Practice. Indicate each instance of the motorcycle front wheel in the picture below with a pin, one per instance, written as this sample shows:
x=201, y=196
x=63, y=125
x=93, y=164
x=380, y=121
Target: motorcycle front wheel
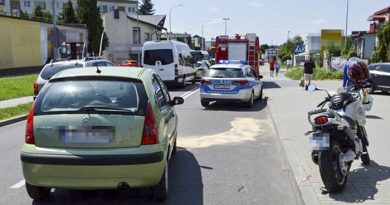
x=331, y=173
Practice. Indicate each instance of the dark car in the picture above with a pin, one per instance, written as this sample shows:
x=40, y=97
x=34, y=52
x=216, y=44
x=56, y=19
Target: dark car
x=380, y=77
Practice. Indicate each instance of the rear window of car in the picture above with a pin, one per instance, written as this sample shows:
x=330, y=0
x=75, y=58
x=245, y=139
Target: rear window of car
x=104, y=94
x=165, y=56
x=224, y=73
x=51, y=69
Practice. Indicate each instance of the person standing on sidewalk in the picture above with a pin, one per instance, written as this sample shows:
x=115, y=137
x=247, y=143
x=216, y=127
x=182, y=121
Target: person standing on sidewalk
x=308, y=71
x=272, y=66
x=289, y=63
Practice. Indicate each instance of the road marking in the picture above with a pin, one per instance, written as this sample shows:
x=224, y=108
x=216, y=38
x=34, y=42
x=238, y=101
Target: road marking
x=18, y=185
x=189, y=93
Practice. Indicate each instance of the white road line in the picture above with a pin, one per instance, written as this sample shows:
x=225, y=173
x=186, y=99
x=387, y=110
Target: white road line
x=18, y=185
x=189, y=93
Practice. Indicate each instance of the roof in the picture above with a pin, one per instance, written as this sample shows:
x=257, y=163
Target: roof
x=154, y=20
x=105, y=71
x=383, y=11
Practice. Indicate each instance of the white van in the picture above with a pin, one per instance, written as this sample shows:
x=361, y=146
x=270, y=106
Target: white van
x=172, y=60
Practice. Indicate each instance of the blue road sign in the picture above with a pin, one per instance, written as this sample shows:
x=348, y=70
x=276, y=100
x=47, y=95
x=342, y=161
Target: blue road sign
x=299, y=49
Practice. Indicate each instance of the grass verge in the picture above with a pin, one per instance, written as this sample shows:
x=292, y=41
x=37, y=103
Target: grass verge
x=10, y=112
x=16, y=87
x=319, y=74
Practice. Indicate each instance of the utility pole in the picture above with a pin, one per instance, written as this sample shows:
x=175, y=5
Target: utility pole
x=55, y=31
x=346, y=24
x=170, y=20
x=226, y=19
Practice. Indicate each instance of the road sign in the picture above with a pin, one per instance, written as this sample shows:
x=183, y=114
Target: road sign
x=299, y=49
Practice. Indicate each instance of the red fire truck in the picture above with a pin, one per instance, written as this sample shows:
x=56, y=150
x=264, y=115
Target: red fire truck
x=238, y=48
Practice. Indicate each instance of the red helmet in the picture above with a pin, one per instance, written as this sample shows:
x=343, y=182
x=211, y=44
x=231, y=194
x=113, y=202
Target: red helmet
x=358, y=72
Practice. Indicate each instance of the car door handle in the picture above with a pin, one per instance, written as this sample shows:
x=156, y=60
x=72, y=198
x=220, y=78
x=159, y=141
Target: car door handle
x=162, y=69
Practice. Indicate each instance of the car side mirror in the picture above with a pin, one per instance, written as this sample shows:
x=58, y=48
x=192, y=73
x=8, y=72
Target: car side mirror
x=260, y=76
x=177, y=101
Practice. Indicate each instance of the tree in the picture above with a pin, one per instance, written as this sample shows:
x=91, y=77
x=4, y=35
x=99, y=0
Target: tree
x=47, y=15
x=88, y=13
x=297, y=40
x=348, y=47
x=38, y=12
x=264, y=47
x=23, y=14
x=146, y=8
x=68, y=13
x=382, y=52
x=287, y=48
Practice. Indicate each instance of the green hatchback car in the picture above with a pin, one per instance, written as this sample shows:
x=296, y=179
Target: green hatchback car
x=100, y=128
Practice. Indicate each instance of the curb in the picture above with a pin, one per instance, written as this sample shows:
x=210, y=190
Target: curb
x=12, y=120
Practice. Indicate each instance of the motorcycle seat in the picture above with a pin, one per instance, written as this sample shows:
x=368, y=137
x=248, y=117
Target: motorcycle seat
x=341, y=100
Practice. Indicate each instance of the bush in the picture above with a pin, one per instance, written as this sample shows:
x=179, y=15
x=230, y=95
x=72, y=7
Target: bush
x=319, y=74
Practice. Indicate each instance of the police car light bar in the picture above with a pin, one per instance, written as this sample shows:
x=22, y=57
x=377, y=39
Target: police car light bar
x=243, y=62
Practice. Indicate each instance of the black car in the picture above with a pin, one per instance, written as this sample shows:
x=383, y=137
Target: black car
x=380, y=77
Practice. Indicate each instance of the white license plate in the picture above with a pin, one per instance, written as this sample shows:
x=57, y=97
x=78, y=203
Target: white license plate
x=320, y=141
x=221, y=86
x=91, y=135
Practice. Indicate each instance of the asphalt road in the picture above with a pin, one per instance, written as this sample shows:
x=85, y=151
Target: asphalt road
x=228, y=154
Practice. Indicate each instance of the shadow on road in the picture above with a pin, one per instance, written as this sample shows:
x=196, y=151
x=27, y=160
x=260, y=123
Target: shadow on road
x=185, y=187
x=237, y=107
x=364, y=180
x=270, y=85
x=189, y=87
x=375, y=117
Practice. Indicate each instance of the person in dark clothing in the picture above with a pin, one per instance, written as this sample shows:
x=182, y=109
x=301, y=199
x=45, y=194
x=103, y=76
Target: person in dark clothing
x=308, y=72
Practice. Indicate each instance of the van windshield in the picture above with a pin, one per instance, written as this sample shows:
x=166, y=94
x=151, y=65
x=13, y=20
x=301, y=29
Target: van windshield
x=51, y=69
x=165, y=56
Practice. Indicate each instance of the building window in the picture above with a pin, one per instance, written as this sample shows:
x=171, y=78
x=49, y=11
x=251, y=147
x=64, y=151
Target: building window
x=136, y=36
x=129, y=9
x=27, y=4
x=104, y=9
x=41, y=4
x=2, y=2
x=121, y=8
x=112, y=8
x=147, y=36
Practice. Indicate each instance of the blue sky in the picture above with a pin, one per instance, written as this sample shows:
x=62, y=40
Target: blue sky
x=270, y=19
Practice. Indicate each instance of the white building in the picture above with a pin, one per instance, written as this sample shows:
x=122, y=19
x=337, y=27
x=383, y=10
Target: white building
x=127, y=33
x=12, y=7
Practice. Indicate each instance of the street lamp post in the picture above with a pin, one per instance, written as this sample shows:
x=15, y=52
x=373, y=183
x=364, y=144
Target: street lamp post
x=288, y=35
x=170, y=19
x=346, y=24
x=226, y=19
x=55, y=31
x=203, y=47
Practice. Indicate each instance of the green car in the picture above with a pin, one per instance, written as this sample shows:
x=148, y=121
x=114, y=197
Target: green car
x=100, y=128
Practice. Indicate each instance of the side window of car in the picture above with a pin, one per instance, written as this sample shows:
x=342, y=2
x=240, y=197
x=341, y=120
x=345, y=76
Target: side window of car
x=164, y=89
x=248, y=72
x=109, y=64
x=386, y=68
x=159, y=95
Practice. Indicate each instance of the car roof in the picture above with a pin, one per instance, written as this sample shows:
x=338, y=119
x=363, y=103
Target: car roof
x=108, y=71
x=238, y=66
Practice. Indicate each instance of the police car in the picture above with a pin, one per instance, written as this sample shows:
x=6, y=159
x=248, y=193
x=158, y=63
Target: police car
x=231, y=81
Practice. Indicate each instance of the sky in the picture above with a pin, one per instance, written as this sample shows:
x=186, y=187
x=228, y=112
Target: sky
x=270, y=19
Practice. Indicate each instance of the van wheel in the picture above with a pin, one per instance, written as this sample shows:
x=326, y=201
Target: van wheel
x=183, y=83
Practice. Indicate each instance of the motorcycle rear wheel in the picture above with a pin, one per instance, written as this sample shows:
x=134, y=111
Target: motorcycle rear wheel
x=331, y=174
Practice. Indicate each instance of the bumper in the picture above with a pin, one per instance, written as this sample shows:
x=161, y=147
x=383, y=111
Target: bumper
x=97, y=171
x=241, y=96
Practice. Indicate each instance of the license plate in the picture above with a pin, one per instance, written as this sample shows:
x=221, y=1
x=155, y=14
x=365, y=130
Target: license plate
x=320, y=141
x=92, y=135
x=221, y=86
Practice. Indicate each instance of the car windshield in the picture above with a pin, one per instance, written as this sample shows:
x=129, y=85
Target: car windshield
x=109, y=95
x=165, y=56
x=224, y=73
x=51, y=69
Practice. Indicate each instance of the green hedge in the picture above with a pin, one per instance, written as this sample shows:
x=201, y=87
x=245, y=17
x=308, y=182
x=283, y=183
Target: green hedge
x=16, y=87
x=319, y=74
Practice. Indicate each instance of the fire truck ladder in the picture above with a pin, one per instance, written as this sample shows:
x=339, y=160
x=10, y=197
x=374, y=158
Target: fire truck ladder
x=252, y=52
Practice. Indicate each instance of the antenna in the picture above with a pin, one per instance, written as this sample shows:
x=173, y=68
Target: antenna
x=97, y=69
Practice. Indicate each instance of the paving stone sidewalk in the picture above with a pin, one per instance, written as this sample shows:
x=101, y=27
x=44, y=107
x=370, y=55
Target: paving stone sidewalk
x=289, y=105
x=15, y=102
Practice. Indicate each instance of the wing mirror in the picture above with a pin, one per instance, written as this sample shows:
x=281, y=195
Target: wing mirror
x=260, y=77
x=312, y=88
x=177, y=101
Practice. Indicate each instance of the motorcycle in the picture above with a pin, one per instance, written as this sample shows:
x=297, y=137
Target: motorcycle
x=338, y=135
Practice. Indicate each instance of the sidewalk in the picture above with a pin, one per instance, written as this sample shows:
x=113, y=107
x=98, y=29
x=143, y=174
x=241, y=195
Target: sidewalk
x=15, y=102
x=289, y=105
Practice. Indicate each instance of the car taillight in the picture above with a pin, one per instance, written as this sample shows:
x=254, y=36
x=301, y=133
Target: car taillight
x=149, y=134
x=240, y=82
x=321, y=120
x=205, y=82
x=36, y=91
x=29, y=137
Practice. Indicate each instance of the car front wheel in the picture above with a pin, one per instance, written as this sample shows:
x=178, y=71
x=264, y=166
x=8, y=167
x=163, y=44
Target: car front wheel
x=36, y=192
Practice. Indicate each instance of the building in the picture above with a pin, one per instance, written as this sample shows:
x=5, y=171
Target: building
x=313, y=43
x=363, y=43
x=379, y=19
x=12, y=7
x=30, y=43
x=127, y=33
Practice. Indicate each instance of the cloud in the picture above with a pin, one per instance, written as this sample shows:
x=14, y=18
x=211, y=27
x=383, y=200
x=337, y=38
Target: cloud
x=213, y=10
x=215, y=21
x=319, y=22
x=254, y=3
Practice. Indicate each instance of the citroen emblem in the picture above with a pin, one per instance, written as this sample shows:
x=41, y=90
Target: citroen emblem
x=85, y=120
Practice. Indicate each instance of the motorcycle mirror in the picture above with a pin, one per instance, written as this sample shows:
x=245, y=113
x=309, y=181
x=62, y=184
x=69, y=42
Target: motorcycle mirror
x=312, y=88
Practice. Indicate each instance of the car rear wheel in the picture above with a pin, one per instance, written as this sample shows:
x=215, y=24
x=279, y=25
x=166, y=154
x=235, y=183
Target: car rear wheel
x=250, y=102
x=261, y=94
x=160, y=191
x=36, y=192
